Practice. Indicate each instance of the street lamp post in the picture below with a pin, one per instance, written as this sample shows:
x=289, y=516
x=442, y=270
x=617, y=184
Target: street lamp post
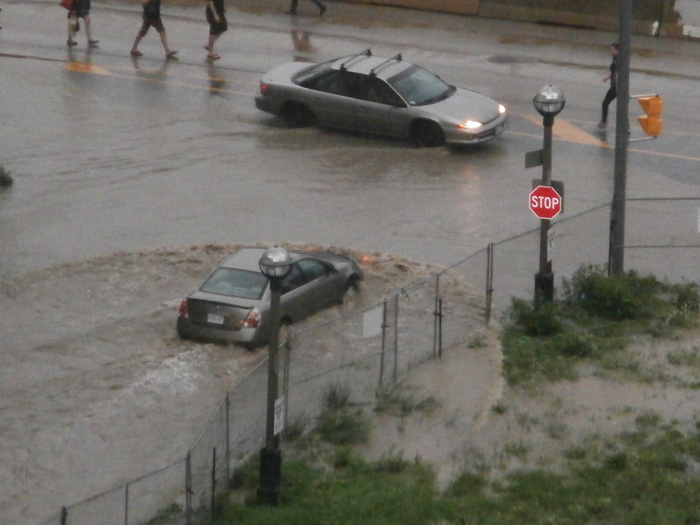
x=275, y=264
x=548, y=102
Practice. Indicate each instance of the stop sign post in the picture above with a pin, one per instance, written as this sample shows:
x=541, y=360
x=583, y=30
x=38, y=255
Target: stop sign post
x=545, y=202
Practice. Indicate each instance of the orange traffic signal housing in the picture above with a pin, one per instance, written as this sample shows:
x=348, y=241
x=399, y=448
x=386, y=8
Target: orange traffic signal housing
x=651, y=122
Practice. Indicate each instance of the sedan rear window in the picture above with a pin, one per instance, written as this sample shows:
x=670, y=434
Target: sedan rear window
x=304, y=76
x=235, y=283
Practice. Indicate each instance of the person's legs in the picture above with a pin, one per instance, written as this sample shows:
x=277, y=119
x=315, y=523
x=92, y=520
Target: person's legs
x=71, y=29
x=160, y=28
x=609, y=97
x=293, y=7
x=88, y=30
x=216, y=29
x=164, y=40
x=210, y=46
x=142, y=32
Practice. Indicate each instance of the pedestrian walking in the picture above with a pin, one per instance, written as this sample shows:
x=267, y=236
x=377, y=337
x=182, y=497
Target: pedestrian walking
x=81, y=9
x=319, y=4
x=612, y=92
x=151, y=18
x=216, y=16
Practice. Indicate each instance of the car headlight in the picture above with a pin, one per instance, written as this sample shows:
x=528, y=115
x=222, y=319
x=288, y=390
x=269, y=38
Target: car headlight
x=501, y=109
x=470, y=124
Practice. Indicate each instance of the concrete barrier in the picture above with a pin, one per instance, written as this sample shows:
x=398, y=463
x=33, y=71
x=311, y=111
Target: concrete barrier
x=666, y=18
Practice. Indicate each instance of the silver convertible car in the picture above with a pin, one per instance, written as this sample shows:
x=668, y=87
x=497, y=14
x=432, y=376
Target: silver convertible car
x=383, y=96
x=232, y=304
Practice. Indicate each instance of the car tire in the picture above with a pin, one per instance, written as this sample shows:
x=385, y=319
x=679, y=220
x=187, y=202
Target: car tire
x=297, y=115
x=352, y=284
x=427, y=134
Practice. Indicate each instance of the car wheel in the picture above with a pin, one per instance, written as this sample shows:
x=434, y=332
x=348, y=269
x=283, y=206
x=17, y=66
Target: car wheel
x=297, y=115
x=352, y=284
x=426, y=133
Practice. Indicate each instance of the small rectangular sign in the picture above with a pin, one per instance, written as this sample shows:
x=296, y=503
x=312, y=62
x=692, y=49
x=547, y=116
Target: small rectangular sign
x=533, y=159
x=279, y=415
x=550, y=245
x=372, y=322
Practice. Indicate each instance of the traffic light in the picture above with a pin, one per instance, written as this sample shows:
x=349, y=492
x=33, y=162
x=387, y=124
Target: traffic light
x=651, y=122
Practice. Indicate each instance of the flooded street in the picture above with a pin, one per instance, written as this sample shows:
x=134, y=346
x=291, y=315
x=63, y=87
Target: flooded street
x=121, y=165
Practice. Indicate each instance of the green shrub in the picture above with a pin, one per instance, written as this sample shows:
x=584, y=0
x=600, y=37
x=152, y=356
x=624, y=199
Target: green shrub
x=572, y=344
x=336, y=397
x=617, y=461
x=541, y=318
x=340, y=423
x=687, y=297
x=624, y=297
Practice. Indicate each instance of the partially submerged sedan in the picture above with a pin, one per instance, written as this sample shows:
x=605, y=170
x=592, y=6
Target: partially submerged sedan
x=232, y=304
x=383, y=96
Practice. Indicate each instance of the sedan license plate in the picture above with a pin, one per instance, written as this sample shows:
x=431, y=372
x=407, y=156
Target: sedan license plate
x=215, y=319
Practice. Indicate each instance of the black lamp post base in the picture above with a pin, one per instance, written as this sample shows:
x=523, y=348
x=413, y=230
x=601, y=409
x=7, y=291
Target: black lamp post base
x=270, y=476
x=544, y=286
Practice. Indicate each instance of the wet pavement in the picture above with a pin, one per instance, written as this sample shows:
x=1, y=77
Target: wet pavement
x=110, y=153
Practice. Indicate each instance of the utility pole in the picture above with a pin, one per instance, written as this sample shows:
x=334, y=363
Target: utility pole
x=616, y=249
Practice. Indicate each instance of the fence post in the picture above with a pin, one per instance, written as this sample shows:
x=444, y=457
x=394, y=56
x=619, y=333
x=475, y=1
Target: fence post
x=396, y=337
x=489, y=282
x=126, y=504
x=188, y=489
x=228, y=440
x=285, y=380
x=437, y=320
x=213, y=481
x=64, y=516
x=439, y=328
x=381, y=357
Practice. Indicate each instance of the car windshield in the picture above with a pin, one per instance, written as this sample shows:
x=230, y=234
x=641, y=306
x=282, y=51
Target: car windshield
x=419, y=87
x=235, y=283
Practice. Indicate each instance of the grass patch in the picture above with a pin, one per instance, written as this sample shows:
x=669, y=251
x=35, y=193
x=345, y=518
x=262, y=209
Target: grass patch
x=592, y=322
x=645, y=481
x=397, y=401
x=340, y=423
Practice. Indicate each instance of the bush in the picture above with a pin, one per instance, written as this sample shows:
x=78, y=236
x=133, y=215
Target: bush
x=619, y=298
x=574, y=344
x=340, y=423
x=536, y=319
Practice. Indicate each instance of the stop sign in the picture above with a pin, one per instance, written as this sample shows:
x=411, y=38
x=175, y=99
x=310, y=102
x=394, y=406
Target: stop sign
x=545, y=202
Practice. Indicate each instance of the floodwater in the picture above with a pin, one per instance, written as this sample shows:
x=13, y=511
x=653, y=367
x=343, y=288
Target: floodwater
x=112, y=157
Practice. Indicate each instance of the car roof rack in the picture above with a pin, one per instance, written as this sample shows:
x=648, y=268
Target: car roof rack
x=395, y=58
x=366, y=53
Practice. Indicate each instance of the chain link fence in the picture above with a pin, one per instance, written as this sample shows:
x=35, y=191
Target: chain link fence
x=374, y=346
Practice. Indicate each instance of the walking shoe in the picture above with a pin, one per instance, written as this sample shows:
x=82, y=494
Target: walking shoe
x=292, y=12
x=602, y=125
x=71, y=42
x=93, y=42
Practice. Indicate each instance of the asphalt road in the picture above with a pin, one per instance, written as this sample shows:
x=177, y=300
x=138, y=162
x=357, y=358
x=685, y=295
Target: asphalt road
x=110, y=153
